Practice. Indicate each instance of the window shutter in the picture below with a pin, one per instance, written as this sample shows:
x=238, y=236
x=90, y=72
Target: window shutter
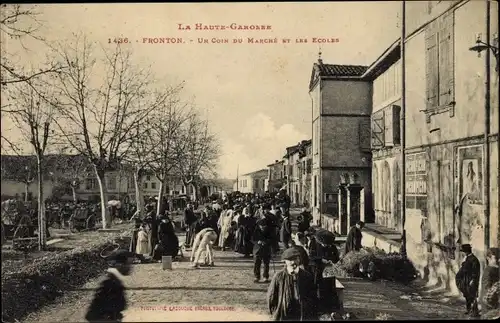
x=396, y=124
x=388, y=127
x=364, y=134
x=446, y=70
x=377, y=133
x=431, y=62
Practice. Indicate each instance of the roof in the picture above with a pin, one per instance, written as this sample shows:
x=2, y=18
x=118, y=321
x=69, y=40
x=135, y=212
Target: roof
x=19, y=167
x=341, y=70
x=297, y=148
x=321, y=70
x=276, y=162
x=256, y=172
x=390, y=56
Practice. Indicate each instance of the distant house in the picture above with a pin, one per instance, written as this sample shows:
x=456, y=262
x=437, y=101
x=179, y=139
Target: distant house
x=276, y=176
x=252, y=182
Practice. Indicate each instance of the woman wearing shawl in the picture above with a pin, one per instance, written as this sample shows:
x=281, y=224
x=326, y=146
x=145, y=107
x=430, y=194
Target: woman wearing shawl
x=167, y=238
x=322, y=251
x=291, y=294
x=244, y=243
x=225, y=220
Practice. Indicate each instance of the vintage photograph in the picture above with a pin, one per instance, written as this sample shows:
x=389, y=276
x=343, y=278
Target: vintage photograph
x=238, y=161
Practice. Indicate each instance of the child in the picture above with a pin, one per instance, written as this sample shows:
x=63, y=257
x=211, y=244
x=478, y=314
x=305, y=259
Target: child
x=142, y=242
x=109, y=300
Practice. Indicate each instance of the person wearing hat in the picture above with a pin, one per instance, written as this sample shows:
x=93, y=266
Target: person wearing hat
x=109, y=300
x=262, y=241
x=286, y=230
x=354, y=237
x=189, y=222
x=167, y=238
x=467, y=279
x=291, y=294
x=224, y=224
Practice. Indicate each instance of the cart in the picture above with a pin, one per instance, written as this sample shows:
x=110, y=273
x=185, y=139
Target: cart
x=81, y=220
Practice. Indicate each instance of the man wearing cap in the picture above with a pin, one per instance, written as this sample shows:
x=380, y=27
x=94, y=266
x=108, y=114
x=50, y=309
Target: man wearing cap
x=109, y=300
x=291, y=294
x=286, y=230
x=262, y=241
x=467, y=279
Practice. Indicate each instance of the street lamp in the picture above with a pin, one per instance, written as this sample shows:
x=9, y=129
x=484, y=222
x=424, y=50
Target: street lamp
x=481, y=46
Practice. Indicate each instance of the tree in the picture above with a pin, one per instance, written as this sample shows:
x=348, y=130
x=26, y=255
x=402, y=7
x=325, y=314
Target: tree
x=18, y=23
x=103, y=105
x=152, y=149
x=18, y=167
x=196, y=151
x=34, y=116
x=69, y=170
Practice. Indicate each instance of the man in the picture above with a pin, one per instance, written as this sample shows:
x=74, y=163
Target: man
x=304, y=221
x=262, y=242
x=353, y=240
x=203, y=241
x=109, y=300
x=286, y=230
x=467, y=279
x=300, y=242
x=291, y=294
x=189, y=222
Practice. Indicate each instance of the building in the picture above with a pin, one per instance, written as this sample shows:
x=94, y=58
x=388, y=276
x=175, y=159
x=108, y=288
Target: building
x=446, y=164
x=341, y=108
x=446, y=156
x=305, y=171
x=276, y=176
x=298, y=166
x=253, y=182
x=385, y=73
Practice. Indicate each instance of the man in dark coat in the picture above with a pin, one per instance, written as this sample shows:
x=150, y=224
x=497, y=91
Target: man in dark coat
x=109, y=300
x=286, y=230
x=304, y=221
x=467, y=279
x=167, y=238
x=189, y=222
x=353, y=240
x=262, y=242
x=291, y=294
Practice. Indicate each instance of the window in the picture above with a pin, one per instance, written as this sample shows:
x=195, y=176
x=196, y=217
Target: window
x=153, y=185
x=130, y=182
x=112, y=182
x=91, y=183
x=316, y=136
x=146, y=185
x=439, y=58
x=385, y=127
x=148, y=178
x=416, y=182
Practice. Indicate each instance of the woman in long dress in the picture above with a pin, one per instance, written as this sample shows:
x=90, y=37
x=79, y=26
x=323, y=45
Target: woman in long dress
x=225, y=224
x=142, y=242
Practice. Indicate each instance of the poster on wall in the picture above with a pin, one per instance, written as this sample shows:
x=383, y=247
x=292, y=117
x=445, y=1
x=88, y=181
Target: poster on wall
x=470, y=173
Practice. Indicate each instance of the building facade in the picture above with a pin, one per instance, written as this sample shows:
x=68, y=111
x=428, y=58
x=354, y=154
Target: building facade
x=253, y=182
x=276, y=176
x=447, y=164
x=341, y=104
x=305, y=171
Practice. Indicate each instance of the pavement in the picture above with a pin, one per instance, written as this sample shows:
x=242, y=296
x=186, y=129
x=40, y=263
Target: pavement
x=227, y=292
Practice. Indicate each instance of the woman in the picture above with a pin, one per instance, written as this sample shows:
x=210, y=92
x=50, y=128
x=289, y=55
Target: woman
x=168, y=240
x=244, y=244
x=322, y=251
x=142, y=247
x=491, y=278
x=225, y=220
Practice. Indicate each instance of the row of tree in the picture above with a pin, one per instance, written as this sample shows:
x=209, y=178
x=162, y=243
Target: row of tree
x=111, y=111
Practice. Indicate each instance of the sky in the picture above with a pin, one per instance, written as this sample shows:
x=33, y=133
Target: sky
x=254, y=95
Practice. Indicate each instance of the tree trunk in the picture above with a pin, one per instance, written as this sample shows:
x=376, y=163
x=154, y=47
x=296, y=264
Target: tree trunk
x=42, y=223
x=159, y=206
x=73, y=191
x=26, y=191
x=106, y=219
x=138, y=192
x=195, y=191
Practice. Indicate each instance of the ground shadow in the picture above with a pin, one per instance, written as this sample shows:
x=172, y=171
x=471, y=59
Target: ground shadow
x=185, y=288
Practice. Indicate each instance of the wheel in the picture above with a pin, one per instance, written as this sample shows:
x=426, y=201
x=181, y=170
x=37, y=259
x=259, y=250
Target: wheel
x=90, y=223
